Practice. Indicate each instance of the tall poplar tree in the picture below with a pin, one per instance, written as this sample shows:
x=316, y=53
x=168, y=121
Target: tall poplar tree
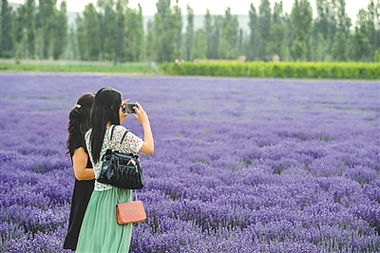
x=189, y=36
x=254, y=43
x=134, y=34
x=46, y=10
x=228, y=47
x=343, y=28
x=89, y=34
x=200, y=44
x=18, y=32
x=264, y=22
x=278, y=31
x=301, y=18
x=167, y=32
x=30, y=15
x=208, y=33
x=59, y=32
x=6, y=20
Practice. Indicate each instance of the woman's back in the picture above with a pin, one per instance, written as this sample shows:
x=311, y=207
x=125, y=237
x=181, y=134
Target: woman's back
x=131, y=144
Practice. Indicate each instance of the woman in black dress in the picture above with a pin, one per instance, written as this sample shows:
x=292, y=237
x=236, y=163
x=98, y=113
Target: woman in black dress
x=84, y=174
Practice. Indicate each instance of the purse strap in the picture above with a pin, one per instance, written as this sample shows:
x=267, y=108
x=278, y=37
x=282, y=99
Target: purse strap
x=122, y=138
x=121, y=141
x=118, y=199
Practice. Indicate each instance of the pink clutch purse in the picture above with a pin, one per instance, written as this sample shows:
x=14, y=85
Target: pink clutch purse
x=130, y=212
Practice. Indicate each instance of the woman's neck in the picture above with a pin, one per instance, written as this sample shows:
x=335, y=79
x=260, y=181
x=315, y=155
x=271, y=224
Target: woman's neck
x=108, y=124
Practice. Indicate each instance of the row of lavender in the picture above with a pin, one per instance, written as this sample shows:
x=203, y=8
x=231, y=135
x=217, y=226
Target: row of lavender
x=240, y=165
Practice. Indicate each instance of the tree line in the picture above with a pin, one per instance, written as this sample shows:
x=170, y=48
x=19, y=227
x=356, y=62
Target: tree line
x=112, y=31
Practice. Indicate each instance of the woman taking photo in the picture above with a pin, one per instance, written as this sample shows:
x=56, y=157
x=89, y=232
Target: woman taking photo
x=79, y=123
x=100, y=231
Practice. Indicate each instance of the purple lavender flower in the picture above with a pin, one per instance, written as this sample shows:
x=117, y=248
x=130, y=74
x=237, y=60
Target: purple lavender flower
x=241, y=165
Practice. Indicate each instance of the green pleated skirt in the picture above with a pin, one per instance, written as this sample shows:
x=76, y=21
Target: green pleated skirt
x=100, y=231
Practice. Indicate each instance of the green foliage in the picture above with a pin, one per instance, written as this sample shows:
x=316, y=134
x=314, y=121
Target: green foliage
x=30, y=13
x=254, y=37
x=111, y=31
x=18, y=32
x=6, y=30
x=59, y=33
x=89, y=34
x=47, y=11
x=364, y=41
x=72, y=45
x=189, y=35
x=301, y=18
x=334, y=70
x=264, y=23
x=276, y=46
x=134, y=40
x=319, y=47
x=167, y=28
x=123, y=68
x=228, y=47
x=200, y=45
x=118, y=44
x=377, y=55
x=149, y=45
x=338, y=49
x=209, y=35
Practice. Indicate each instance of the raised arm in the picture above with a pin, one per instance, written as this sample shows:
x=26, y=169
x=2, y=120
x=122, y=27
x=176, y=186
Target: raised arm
x=142, y=117
x=128, y=140
x=80, y=159
x=148, y=146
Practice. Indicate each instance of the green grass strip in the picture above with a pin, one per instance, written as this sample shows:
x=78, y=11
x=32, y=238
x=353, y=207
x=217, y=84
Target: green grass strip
x=331, y=70
x=130, y=68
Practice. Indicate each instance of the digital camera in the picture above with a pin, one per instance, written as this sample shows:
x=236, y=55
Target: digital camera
x=128, y=108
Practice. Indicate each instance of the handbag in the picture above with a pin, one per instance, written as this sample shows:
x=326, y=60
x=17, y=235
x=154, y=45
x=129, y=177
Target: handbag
x=130, y=212
x=120, y=169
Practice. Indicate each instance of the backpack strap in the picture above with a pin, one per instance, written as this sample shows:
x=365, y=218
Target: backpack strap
x=125, y=133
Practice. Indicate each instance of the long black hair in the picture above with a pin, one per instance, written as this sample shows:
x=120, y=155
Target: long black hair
x=106, y=108
x=79, y=122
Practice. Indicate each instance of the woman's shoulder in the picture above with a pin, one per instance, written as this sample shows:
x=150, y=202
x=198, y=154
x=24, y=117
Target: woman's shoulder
x=76, y=141
x=120, y=129
x=127, y=141
x=121, y=132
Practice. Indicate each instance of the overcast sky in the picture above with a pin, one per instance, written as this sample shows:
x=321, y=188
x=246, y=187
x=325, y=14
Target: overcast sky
x=215, y=6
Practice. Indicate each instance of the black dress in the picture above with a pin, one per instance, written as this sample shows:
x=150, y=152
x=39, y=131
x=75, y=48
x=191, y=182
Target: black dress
x=81, y=196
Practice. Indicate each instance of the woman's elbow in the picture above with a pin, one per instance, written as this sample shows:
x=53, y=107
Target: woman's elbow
x=151, y=149
x=147, y=149
x=78, y=176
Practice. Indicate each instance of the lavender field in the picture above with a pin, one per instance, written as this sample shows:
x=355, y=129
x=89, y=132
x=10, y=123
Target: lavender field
x=240, y=165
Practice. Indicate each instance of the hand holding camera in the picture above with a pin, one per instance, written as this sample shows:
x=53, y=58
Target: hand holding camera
x=128, y=108
x=136, y=109
x=140, y=114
